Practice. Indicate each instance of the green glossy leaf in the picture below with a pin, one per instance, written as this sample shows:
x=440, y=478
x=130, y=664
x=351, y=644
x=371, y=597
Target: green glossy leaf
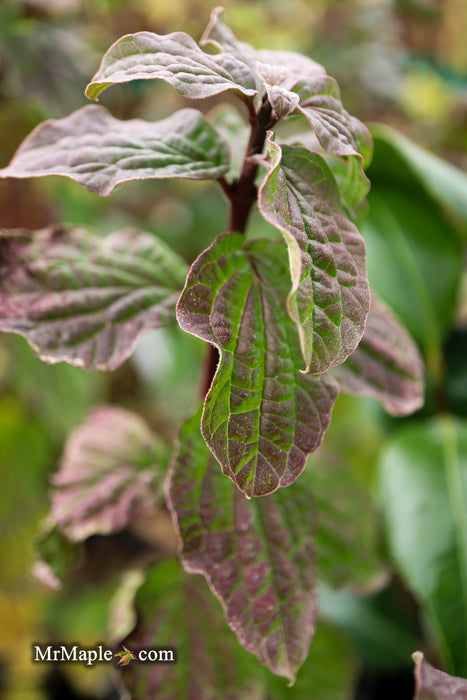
x=414, y=256
x=436, y=684
x=262, y=416
x=85, y=299
x=404, y=160
x=424, y=497
x=386, y=365
x=108, y=475
x=257, y=554
x=175, y=58
x=177, y=612
x=330, y=297
x=98, y=151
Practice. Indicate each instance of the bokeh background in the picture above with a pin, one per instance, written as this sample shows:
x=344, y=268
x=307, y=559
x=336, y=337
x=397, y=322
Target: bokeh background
x=402, y=63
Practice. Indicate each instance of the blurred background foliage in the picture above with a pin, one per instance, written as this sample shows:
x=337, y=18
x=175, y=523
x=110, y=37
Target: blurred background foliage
x=401, y=63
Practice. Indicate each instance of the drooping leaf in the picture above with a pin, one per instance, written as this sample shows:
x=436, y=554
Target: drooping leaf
x=386, y=365
x=337, y=131
x=330, y=297
x=424, y=497
x=436, y=684
x=175, y=58
x=262, y=416
x=85, y=299
x=256, y=554
x=108, y=474
x=98, y=151
x=177, y=612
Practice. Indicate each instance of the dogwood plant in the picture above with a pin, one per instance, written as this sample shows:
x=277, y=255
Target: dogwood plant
x=289, y=321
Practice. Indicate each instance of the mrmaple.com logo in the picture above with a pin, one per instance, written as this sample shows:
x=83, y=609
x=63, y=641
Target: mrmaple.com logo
x=67, y=653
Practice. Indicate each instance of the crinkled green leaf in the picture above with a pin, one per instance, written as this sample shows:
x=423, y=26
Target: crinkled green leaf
x=330, y=297
x=386, y=365
x=436, y=684
x=98, y=151
x=176, y=611
x=262, y=416
x=107, y=476
x=337, y=131
x=175, y=58
x=424, y=499
x=85, y=299
x=256, y=554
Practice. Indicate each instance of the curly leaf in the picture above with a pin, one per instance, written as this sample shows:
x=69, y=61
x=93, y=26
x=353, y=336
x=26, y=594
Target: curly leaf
x=85, y=299
x=337, y=131
x=98, y=151
x=386, y=365
x=107, y=474
x=175, y=58
x=330, y=297
x=176, y=612
x=262, y=416
x=436, y=684
x=256, y=554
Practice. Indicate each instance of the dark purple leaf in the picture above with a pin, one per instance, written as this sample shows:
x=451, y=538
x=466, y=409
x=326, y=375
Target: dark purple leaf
x=386, y=365
x=330, y=297
x=436, y=684
x=85, y=299
x=175, y=58
x=262, y=416
x=256, y=554
x=98, y=151
x=108, y=474
x=176, y=611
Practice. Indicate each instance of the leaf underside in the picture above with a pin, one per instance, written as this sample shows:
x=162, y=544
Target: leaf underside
x=256, y=554
x=386, y=365
x=85, y=299
x=262, y=416
x=107, y=474
x=99, y=152
x=330, y=297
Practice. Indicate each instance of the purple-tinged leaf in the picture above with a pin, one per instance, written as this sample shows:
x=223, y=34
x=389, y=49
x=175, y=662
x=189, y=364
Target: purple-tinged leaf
x=262, y=416
x=330, y=297
x=386, y=365
x=98, y=151
x=337, y=131
x=175, y=58
x=263, y=63
x=176, y=612
x=85, y=299
x=276, y=80
x=436, y=684
x=256, y=554
x=107, y=476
